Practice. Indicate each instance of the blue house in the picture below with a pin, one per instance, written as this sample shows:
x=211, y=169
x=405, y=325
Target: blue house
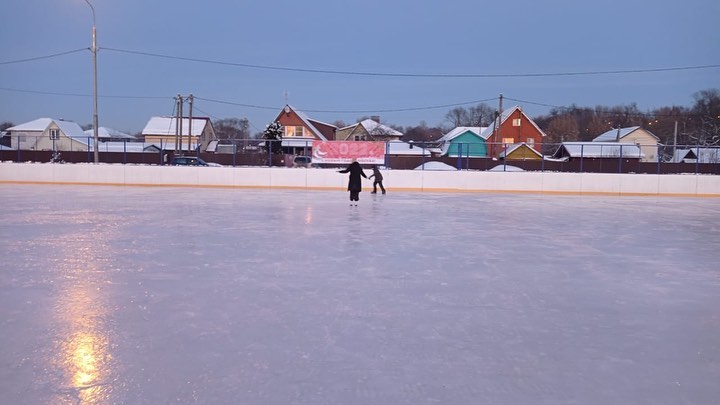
x=464, y=141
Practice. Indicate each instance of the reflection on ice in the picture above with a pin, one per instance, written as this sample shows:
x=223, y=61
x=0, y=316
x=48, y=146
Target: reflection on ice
x=83, y=352
x=86, y=361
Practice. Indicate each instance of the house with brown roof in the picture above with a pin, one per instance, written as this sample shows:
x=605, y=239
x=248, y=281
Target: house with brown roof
x=299, y=130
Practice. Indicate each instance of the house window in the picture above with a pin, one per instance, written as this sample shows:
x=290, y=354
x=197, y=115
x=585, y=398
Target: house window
x=530, y=142
x=516, y=122
x=359, y=137
x=508, y=141
x=54, y=134
x=294, y=131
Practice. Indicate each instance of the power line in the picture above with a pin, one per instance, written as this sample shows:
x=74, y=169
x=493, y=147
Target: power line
x=273, y=108
x=78, y=94
x=207, y=113
x=43, y=57
x=416, y=75
x=355, y=111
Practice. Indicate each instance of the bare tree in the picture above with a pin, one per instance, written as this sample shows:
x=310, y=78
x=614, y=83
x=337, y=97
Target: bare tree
x=596, y=125
x=562, y=128
x=481, y=115
x=422, y=134
x=707, y=108
x=232, y=129
x=457, y=117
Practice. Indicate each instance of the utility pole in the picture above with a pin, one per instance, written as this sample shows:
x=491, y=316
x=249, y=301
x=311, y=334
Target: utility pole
x=178, y=114
x=94, y=50
x=499, y=124
x=179, y=123
x=190, y=120
x=675, y=139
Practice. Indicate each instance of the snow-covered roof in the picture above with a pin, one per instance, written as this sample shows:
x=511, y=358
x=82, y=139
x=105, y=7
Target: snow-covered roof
x=127, y=147
x=614, y=134
x=69, y=128
x=37, y=125
x=404, y=148
x=105, y=132
x=447, y=138
x=375, y=128
x=434, y=165
x=166, y=126
x=294, y=142
x=600, y=149
x=457, y=131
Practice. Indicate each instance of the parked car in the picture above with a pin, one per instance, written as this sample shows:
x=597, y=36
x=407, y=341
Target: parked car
x=191, y=161
x=302, y=161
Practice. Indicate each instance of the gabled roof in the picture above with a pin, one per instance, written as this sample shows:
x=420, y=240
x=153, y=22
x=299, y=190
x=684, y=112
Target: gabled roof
x=69, y=128
x=166, y=126
x=599, y=150
x=457, y=131
x=374, y=128
x=513, y=148
x=706, y=155
x=488, y=131
x=614, y=134
x=105, y=132
x=307, y=121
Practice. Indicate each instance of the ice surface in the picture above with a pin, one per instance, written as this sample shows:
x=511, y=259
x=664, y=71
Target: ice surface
x=186, y=295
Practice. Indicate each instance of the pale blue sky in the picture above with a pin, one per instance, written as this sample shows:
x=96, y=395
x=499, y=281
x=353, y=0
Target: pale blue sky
x=450, y=37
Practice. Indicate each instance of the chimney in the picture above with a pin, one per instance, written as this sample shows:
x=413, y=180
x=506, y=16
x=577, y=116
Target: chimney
x=375, y=118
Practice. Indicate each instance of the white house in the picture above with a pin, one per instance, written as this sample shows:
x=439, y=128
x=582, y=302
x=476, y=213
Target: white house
x=161, y=131
x=644, y=139
x=49, y=134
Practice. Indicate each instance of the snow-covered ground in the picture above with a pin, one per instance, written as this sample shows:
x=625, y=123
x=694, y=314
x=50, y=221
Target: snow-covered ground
x=185, y=295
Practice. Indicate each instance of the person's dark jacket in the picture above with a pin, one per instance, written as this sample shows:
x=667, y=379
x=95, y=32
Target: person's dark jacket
x=355, y=170
x=376, y=173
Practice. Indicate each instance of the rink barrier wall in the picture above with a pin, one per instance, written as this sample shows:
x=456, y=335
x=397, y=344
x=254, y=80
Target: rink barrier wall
x=329, y=179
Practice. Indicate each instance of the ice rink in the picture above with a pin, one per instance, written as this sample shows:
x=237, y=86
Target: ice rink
x=127, y=295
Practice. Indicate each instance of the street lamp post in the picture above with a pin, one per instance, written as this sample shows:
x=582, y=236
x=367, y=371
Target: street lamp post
x=94, y=50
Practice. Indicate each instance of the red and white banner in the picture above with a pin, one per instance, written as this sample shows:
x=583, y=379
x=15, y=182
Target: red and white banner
x=343, y=152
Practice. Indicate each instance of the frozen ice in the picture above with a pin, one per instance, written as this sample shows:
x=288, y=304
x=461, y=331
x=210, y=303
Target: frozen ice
x=153, y=295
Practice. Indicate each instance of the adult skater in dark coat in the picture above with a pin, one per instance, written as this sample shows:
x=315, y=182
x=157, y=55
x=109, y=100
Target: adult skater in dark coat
x=354, y=183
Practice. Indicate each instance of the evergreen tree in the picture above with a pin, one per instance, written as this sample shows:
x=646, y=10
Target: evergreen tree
x=273, y=137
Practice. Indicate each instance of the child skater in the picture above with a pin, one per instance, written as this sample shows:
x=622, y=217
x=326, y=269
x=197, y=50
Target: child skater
x=378, y=180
